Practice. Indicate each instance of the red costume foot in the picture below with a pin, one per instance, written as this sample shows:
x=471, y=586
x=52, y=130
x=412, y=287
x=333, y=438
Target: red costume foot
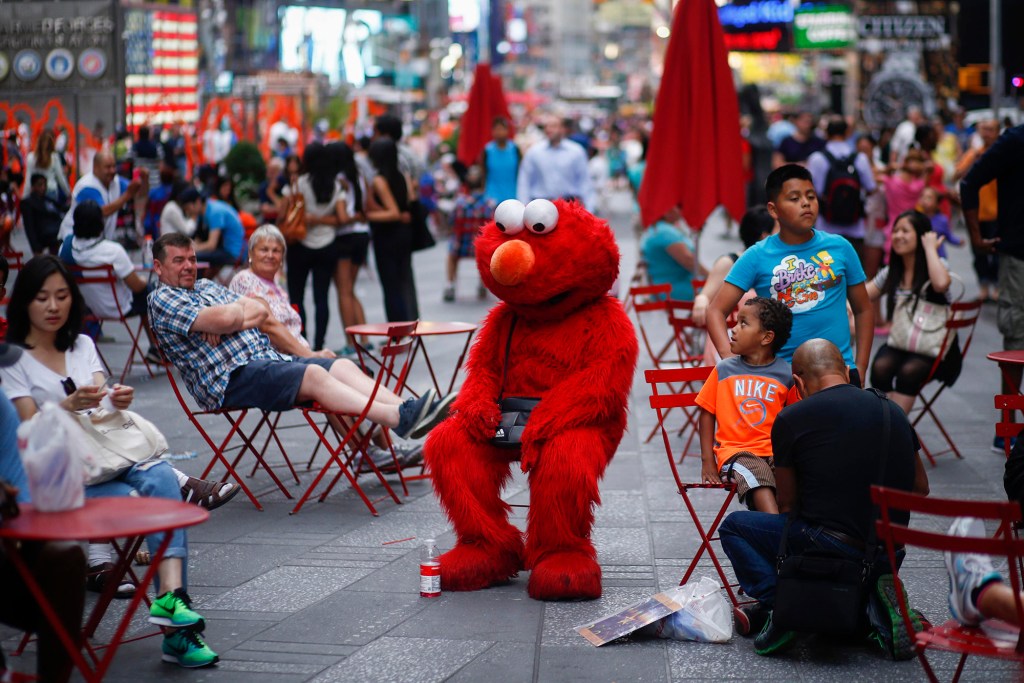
x=468, y=567
x=569, y=575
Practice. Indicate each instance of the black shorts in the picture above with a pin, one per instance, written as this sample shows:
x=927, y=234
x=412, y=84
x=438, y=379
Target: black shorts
x=353, y=247
x=269, y=384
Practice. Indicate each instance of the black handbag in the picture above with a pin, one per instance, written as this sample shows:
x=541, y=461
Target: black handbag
x=515, y=410
x=421, y=235
x=822, y=592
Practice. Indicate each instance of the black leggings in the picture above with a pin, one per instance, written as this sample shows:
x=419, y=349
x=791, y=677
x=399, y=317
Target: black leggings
x=902, y=371
x=301, y=261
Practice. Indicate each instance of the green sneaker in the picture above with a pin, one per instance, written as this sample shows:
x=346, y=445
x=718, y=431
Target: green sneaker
x=175, y=610
x=185, y=648
x=772, y=639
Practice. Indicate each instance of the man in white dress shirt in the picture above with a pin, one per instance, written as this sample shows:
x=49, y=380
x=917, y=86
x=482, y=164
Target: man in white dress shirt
x=555, y=168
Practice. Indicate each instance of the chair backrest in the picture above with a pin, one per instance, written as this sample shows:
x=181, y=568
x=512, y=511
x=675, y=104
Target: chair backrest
x=1004, y=544
x=690, y=379
x=689, y=336
x=963, y=315
x=98, y=275
x=1006, y=427
x=395, y=358
x=643, y=300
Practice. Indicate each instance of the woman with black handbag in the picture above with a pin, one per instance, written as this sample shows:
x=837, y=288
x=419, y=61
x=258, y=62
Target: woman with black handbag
x=387, y=209
x=915, y=286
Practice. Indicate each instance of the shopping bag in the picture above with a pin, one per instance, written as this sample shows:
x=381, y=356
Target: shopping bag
x=55, y=459
x=705, y=616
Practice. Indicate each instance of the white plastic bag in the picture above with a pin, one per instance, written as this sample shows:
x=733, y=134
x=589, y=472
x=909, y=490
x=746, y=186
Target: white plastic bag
x=705, y=616
x=56, y=462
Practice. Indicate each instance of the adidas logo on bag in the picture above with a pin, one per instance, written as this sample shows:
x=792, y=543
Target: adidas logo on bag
x=500, y=433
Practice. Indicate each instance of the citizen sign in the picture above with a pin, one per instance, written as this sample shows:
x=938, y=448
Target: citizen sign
x=905, y=27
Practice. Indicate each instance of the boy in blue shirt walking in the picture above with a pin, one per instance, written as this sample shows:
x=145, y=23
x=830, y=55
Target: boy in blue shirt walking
x=811, y=272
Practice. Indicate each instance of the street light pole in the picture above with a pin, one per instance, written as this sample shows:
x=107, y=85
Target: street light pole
x=995, y=44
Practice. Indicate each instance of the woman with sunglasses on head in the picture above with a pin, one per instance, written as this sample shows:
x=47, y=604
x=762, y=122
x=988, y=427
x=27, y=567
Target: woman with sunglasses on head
x=60, y=365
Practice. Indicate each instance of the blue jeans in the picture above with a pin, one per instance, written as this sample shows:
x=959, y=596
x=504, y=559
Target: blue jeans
x=751, y=540
x=156, y=481
x=11, y=469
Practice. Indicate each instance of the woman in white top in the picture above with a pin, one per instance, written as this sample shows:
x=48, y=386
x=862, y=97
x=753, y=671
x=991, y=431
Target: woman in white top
x=352, y=242
x=180, y=213
x=325, y=211
x=914, y=265
x=44, y=161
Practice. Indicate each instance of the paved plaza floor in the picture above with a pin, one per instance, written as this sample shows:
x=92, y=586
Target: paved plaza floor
x=329, y=595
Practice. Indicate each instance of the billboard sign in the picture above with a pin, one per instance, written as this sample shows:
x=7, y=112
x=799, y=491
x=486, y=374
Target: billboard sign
x=824, y=27
x=58, y=45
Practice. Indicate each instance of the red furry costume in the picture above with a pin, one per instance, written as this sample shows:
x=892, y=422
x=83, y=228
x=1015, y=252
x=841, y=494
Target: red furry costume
x=574, y=347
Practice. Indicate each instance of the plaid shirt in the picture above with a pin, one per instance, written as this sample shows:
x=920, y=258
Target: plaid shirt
x=206, y=369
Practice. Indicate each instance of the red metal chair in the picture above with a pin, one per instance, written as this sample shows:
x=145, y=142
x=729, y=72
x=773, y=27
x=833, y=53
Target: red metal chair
x=662, y=402
x=221, y=449
x=963, y=316
x=104, y=275
x=1007, y=427
x=952, y=636
x=639, y=278
x=345, y=443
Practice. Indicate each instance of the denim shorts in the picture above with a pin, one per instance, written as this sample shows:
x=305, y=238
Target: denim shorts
x=269, y=384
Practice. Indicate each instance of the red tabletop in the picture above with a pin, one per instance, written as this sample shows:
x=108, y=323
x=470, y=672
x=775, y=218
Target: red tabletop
x=103, y=518
x=425, y=328
x=1009, y=357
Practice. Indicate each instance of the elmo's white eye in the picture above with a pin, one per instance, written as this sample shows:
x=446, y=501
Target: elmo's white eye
x=540, y=216
x=509, y=216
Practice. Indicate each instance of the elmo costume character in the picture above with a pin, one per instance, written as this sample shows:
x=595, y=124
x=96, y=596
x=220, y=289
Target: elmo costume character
x=572, y=346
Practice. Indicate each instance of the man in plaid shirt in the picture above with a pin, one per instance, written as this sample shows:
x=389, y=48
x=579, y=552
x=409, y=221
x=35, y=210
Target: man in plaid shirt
x=218, y=341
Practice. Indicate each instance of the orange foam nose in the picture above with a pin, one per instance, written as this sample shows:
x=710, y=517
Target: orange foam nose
x=512, y=262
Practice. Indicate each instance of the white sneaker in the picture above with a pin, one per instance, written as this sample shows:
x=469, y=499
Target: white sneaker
x=967, y=573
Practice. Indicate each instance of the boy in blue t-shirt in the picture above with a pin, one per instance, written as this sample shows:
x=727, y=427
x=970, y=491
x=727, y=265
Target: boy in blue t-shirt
x=812, y=272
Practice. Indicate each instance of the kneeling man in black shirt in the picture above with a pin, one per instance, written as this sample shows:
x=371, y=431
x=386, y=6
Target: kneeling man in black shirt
x=826, y=449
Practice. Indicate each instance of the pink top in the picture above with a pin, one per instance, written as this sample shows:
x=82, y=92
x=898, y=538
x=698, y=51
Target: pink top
x=248, y=283
x=900, y=196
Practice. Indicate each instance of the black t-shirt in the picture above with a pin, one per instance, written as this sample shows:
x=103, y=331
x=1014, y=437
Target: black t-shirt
x=794, y=151
x=832, y=439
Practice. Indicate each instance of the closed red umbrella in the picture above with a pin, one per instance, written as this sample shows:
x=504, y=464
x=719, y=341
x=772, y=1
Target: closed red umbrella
x=694, y=158
x=486, y=102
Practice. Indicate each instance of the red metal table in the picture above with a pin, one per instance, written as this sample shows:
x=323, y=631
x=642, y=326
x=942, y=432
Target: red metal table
x=101, y=519
x=424, y=328
x=1007, y=360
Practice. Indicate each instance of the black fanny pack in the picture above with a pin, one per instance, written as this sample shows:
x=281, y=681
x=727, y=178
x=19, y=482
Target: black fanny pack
x=515, y=410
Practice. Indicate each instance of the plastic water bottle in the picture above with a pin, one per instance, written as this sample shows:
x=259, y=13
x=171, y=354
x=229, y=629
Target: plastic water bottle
x=430, y=570
x=147, y=252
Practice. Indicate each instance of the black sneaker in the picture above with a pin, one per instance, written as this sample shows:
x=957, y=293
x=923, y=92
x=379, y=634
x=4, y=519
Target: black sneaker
x=750, y=619
x=438, y=412
x=773, y=640
x=411, y=412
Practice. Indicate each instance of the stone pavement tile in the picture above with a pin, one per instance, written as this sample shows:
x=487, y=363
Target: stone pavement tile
x=676, y=539
x=621, y=545
x=502, y=663
x=285, y=589
x=140, y=660
x=395, y=527
x=405, y=660
x=623, y=472
x=562, y=618
x=400, y=576
x=725, y=661
x=346, y=618
x=493, y=615
x=231, y=564
x=621, y=509
x=628, y=661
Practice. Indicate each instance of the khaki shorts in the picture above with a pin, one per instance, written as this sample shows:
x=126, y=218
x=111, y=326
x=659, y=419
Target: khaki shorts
x=748, y=472
x=1010, y=311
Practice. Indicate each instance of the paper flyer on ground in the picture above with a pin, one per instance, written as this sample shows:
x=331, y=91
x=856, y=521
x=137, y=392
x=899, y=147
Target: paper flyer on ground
x=638, y=615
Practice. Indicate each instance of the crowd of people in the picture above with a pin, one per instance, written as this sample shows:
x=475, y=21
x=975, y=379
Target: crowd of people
x=850, y=231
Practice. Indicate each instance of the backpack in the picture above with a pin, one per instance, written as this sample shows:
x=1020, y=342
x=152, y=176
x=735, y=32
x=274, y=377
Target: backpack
x=841, y=203
x=292, y=219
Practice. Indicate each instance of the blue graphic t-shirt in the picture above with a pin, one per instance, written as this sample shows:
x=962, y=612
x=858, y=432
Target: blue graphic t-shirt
x=811, y=278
